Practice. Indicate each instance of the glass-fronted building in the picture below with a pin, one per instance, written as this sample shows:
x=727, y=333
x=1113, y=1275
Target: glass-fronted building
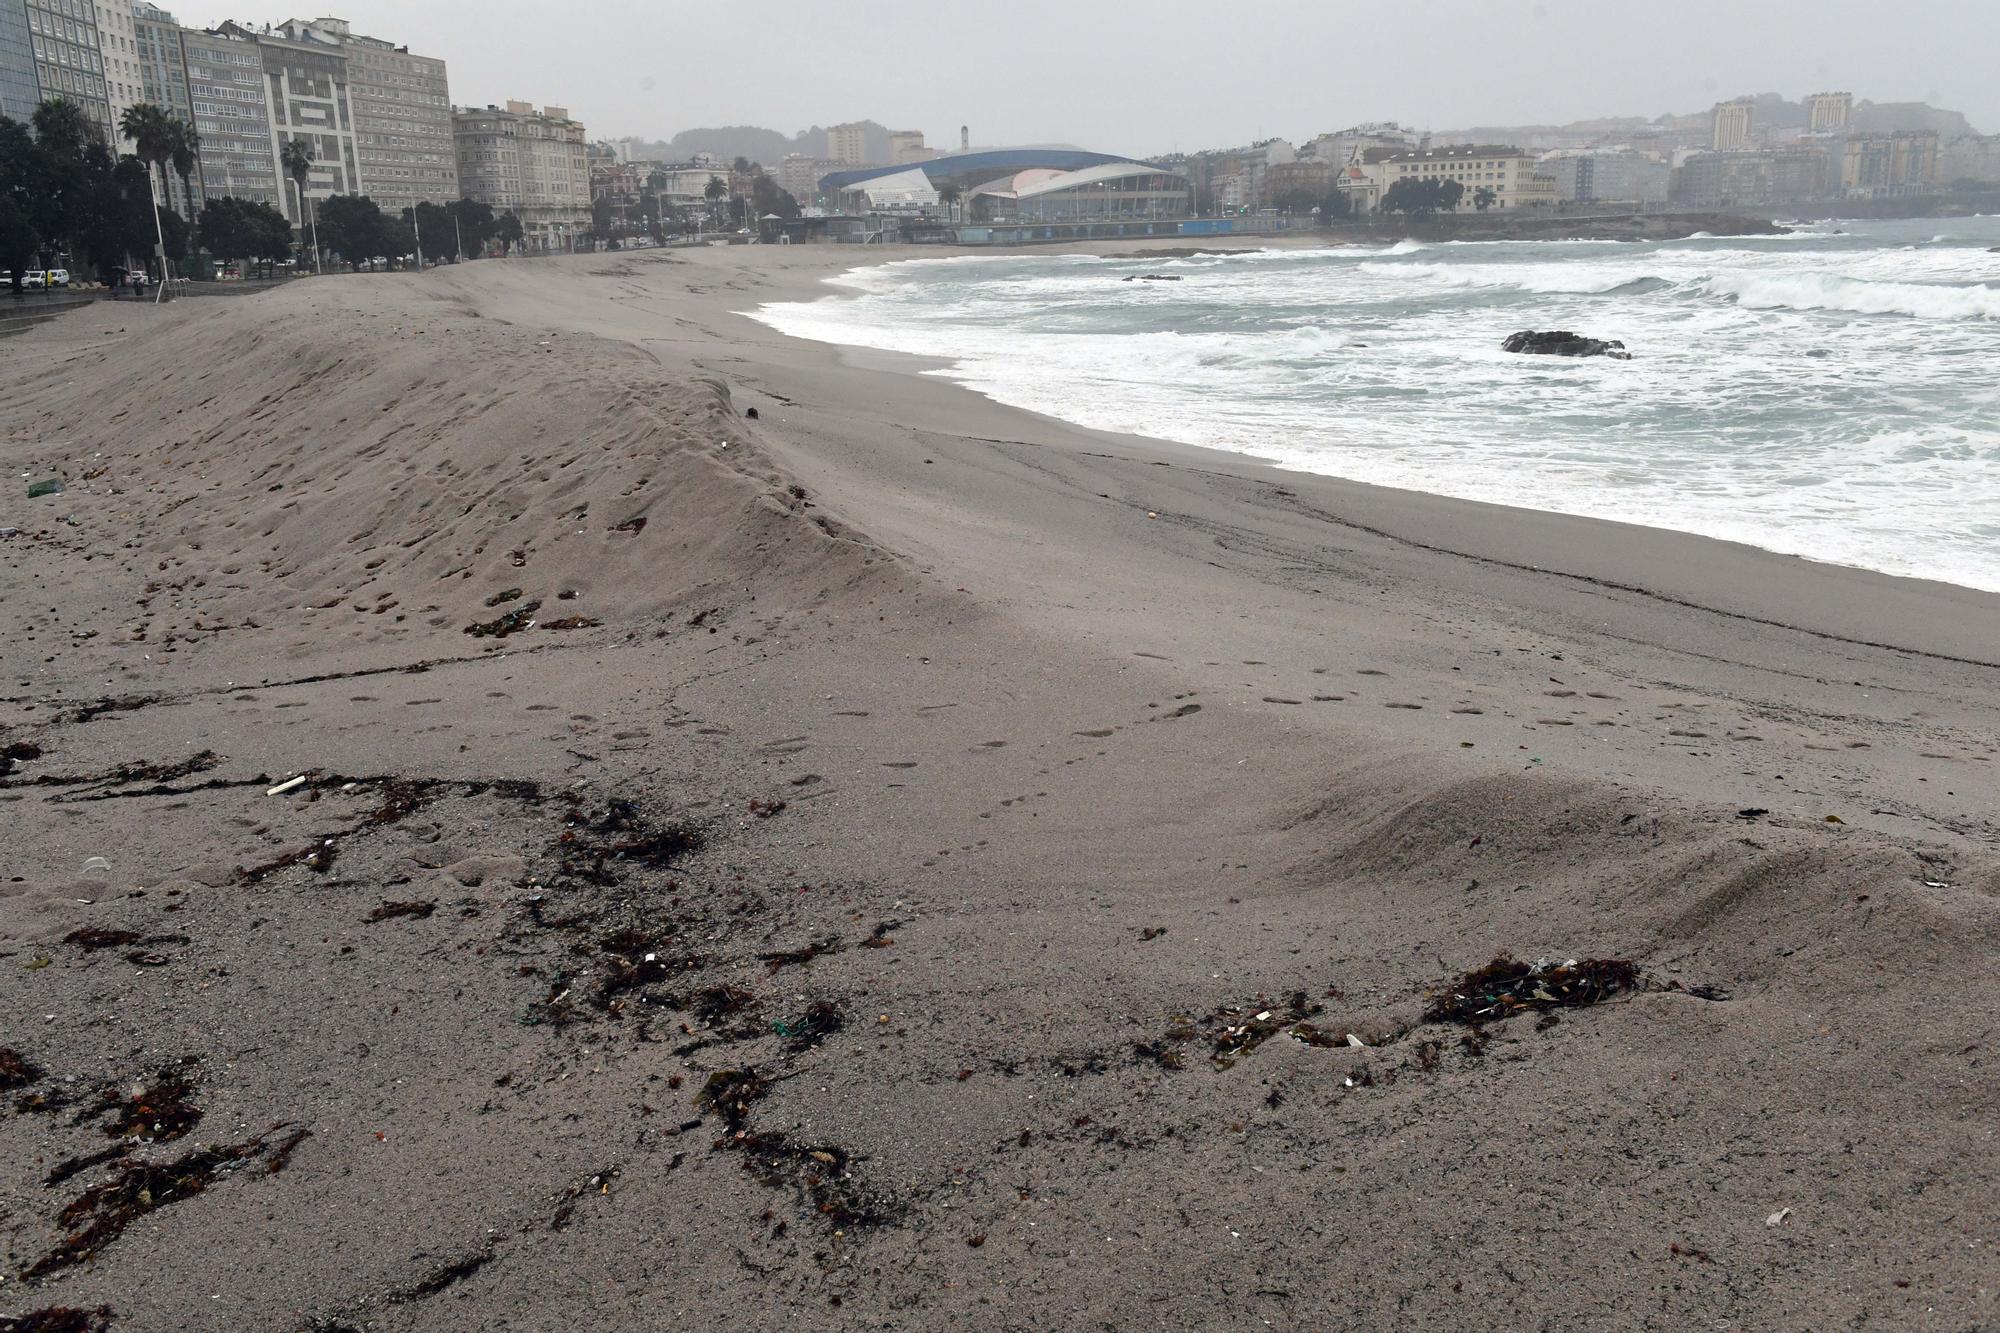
x=19, y=88
x=62, y=35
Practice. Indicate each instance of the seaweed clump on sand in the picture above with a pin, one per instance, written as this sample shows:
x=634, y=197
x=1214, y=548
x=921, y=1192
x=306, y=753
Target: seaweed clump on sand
x=1506, y=986
x=102, y=1213
x=58, y=1319
x=16, y=1069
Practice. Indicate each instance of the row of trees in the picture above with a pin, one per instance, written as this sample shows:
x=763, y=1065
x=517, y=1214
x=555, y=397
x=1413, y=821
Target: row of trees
x=63, y=191
x=1424, y=198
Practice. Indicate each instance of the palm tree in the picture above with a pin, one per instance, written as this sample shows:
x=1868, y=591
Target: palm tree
x=713, y=192
x=297, y=159
x=151, y=131
x=185, y=152
x=949, y=197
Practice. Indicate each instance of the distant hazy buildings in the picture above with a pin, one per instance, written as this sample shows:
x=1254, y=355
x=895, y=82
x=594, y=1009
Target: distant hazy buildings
x=1784, y=175
x=848, y=144
x=798, y=176
x=1972, y=159
x=529, y=162
x=1829, y=111
x=907, y=146
x=1611, y=175
x=1735, y=125
x=1888, y=166
x=1510, y=173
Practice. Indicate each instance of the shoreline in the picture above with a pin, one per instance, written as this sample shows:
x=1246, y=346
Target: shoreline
x=823, y=289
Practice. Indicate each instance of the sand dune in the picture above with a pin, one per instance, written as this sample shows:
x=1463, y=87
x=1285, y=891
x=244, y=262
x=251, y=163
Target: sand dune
x=950, y=868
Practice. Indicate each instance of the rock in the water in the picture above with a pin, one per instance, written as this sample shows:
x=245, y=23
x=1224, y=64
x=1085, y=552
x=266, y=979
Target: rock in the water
x=1559, y=343
x=1151, y=277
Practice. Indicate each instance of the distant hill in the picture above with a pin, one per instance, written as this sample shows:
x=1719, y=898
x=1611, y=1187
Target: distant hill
x=768, y=147
x=1773, y=110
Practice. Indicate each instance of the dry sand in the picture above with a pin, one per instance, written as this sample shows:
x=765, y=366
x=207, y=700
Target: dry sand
x=961, y=796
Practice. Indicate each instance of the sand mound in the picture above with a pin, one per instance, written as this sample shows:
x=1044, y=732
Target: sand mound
x=341, y=465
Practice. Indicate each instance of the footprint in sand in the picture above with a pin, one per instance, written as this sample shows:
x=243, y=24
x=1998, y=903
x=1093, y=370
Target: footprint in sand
x=991, y=745
x=1096, y=735
x=1412, y=707
x=1470, y=711
x=1370, y=671
x=900, y=763
x=1274, y=699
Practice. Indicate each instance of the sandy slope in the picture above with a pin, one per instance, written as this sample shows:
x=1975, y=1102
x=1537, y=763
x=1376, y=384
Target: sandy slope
x=1090, y=751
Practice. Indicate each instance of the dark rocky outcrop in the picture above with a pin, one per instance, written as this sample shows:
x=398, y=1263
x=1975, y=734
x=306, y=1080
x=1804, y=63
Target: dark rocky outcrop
x=1151, y=277
x=1559, y=343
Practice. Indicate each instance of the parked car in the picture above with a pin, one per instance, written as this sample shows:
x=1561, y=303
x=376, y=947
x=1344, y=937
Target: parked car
x=58, y=277
x=34, y=280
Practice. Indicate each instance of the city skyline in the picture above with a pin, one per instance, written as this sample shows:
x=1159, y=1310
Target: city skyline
x=1043, y=74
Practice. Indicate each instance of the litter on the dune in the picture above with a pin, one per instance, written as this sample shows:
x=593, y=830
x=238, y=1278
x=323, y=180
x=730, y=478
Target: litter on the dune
x=287, y=785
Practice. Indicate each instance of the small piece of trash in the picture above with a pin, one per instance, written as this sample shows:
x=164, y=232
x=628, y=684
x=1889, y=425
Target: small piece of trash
x=1353, y=1040
x=1778, y=1218
x=1835, y=819
x=286, y=785
x=97, y=865
x=49, y=486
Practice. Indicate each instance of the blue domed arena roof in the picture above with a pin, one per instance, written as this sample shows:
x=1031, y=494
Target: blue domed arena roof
x=978, y=166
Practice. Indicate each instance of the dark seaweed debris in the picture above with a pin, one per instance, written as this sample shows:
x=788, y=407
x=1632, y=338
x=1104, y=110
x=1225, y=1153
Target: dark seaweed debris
x=1233, y=1031
x=501, y=626
x=102, y=1213
x=590, y=848
x=390, y=910
x=455, y=1271
x=730, y=1093
x=58, y=1319
x=159, y=1111
x=90, y=939
x=822, y=1018
x=1505, y=987
x=16, y=1069
x=821, y=1176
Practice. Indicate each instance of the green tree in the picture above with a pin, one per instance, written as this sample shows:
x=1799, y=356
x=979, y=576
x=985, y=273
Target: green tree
x=185, y=153
x=296, y=157
x=152, y=133
x=233, y=229
x=59, y=173
x=507, y=230
x=354, y=227
x=600, y=217
x=1483, y=198
x=1422, y=198
x=769, y=198
x=949, y=197
x=714, y=192
x=434, y=229
x=476, y=224
x=19, y=241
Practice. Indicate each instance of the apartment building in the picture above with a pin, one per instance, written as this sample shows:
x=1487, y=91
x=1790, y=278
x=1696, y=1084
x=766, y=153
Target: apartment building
x=224, y=74
x=1510, y=173
x=1884, y=166
x=307, y=97
x=66, y=54
x=531, y=163
x=401, y=104
x=1829, y=111
x=19, y=87
x=1735, y=125
x=117, y=44
x=848, y=144
x=1610, y=175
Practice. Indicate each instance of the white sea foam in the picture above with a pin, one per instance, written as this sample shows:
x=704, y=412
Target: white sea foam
x=1762, y=405
x=1826, y=291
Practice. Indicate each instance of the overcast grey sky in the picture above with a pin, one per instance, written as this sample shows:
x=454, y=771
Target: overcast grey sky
x=1166, y=74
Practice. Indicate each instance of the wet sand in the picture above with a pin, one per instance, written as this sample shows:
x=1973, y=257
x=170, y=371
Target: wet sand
x=902, y=861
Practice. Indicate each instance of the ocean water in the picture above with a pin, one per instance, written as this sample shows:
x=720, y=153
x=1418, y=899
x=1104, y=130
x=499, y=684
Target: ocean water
x=1832, y=394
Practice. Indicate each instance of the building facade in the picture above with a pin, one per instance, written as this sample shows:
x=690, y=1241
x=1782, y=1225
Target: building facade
x=1510, y=173
x=848, y=144
x=224, y=72
x=1887, y=166
x=1295, y=179
x=530, y=163
x=1735, y=125
x=1829, y=111
x=20, y=89
x=907, y=146
x=1776, y=176
x=118, y=45
x=1973, y=159
x=306, y=93
x=68, y=58
x=401, y=104
x=1623, y=176
x=798, y=176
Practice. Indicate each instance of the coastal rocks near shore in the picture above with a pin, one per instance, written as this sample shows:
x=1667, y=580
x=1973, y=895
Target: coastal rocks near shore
x=1531, y=342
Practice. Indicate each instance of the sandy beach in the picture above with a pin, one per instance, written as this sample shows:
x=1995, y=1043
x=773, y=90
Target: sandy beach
x=787, y=842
